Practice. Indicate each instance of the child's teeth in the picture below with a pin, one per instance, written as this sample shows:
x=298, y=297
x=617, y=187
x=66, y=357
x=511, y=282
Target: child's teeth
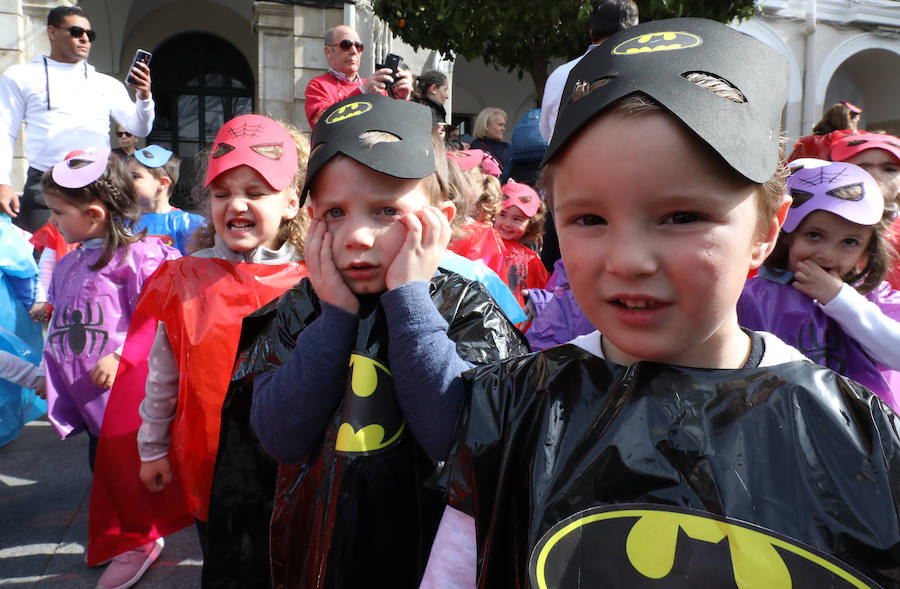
x=635, y=304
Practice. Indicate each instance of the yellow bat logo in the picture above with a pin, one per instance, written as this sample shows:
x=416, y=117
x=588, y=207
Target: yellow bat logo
x=371, y=419
x=665, y=41
x=348, y=111
x=668, y=547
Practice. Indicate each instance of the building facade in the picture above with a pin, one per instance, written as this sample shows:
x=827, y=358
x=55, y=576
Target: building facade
x=214, y=59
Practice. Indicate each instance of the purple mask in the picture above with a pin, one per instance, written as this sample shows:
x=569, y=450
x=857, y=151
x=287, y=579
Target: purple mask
x=846, y=190
x=80, y=168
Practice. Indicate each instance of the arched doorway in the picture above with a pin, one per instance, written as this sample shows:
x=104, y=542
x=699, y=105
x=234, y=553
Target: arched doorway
x=199, y=82
x=862, y=79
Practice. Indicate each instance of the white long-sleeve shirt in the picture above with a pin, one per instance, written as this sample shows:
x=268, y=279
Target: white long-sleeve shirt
x=19, y=371
x=81, y=101
x=553, y=89
x=864, y=321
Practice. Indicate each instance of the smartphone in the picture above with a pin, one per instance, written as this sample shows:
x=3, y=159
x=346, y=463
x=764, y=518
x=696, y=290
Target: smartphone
x=139, y=56
x=391, y=61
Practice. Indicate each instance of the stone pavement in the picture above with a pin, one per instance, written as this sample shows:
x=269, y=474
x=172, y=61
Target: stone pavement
x=45, y=487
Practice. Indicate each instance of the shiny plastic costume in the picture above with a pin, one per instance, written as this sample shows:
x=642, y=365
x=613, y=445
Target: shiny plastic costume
x=202, y=302
x=173, y=228
x=584, y=473
x=18, y=276
x=519, y=266
x=49, y=236
x=18, y=405
x=558, y=318
x=818, y=146
x=91, y=312
x=798, y=320
x=341, y=518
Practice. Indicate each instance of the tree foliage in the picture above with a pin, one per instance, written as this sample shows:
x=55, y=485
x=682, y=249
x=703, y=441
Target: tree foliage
x=523, y=35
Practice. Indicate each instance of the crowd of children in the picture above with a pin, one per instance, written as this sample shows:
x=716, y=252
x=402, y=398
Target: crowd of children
x=328, y=371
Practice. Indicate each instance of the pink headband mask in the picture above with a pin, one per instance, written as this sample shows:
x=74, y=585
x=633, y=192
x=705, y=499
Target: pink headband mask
x=80, y=168
x=467, y=159
x=850, y=145
x=840, y=188
x=258, y=142
x=522, y=196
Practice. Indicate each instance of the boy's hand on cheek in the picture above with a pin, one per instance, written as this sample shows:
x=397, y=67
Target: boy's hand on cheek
x=427, y=236
x=815, y=282
x=323, y=274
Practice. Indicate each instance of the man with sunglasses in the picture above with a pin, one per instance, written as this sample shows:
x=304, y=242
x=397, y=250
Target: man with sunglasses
x=65, y=105
x=343, y=50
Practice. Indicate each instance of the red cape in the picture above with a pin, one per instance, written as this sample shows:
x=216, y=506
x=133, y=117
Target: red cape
x=49, y=236
x=517, y=265
x=202, y=302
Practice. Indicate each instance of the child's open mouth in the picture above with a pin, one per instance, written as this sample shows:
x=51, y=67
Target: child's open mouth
x=637, y=304
x=241, y=225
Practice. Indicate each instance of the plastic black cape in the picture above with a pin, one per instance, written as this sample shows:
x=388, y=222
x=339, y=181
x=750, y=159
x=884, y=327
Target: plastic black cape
x=339, y=518
x=583, y=473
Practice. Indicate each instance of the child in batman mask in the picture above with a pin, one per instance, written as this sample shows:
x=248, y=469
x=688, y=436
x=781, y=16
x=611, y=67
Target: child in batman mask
x=670, y=448
x=348, y=361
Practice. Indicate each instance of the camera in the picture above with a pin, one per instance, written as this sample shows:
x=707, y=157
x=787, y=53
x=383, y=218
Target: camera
x=139, y=56
x=391, y=61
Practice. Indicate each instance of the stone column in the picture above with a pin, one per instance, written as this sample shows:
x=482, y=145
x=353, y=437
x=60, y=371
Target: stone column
x=273, y=22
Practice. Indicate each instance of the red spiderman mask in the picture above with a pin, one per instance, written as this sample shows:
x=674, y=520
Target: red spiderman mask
x=258, y=142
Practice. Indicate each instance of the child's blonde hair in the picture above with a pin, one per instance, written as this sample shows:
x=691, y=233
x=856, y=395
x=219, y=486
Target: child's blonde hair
x=483, y=118
x=115, y=193
x=487, y=195
x=293, y=230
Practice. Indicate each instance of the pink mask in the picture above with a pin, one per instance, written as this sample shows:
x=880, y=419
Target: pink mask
x=258, y=142
x=467, y=159
x=522, y=196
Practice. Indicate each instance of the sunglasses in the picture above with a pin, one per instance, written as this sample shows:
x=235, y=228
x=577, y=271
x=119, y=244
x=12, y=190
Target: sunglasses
x=77, y=32
x=346, y=44
x=123, y=134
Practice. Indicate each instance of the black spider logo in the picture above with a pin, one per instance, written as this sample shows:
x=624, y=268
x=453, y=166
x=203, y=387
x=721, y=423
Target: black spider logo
x=245, y=129
x=75, y=327
x=818, y=176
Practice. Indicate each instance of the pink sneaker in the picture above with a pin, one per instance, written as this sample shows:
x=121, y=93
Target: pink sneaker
x=127, y=569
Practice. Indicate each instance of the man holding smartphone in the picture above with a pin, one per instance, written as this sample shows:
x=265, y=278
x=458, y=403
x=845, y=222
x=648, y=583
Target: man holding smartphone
x=65, y=105
x=343, y=50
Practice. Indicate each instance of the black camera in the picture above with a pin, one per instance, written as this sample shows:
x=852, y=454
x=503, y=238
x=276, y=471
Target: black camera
x=391, y=61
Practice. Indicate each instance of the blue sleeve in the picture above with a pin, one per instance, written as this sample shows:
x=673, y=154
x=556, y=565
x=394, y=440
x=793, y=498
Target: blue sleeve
x=292, y=405
x=425, y=366
x=24, y=288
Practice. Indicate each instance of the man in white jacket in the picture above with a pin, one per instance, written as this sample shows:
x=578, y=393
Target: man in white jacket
x=609, y=16
x=65, y=105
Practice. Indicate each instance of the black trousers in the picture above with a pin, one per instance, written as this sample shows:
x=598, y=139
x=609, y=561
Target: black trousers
x=33, y=211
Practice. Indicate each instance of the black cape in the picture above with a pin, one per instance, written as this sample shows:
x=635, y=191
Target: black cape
x=338, y=518
x=583, y=473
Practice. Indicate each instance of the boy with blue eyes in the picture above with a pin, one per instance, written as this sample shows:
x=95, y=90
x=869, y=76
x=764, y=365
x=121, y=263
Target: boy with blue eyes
x=671, y=447
x=350, y=355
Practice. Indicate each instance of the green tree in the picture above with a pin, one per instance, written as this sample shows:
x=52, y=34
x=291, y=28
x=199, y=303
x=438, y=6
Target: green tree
x=524, y=35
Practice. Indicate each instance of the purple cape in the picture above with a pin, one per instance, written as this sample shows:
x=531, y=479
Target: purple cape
x=91, y=312
x=799, y=321
x=558, y=318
